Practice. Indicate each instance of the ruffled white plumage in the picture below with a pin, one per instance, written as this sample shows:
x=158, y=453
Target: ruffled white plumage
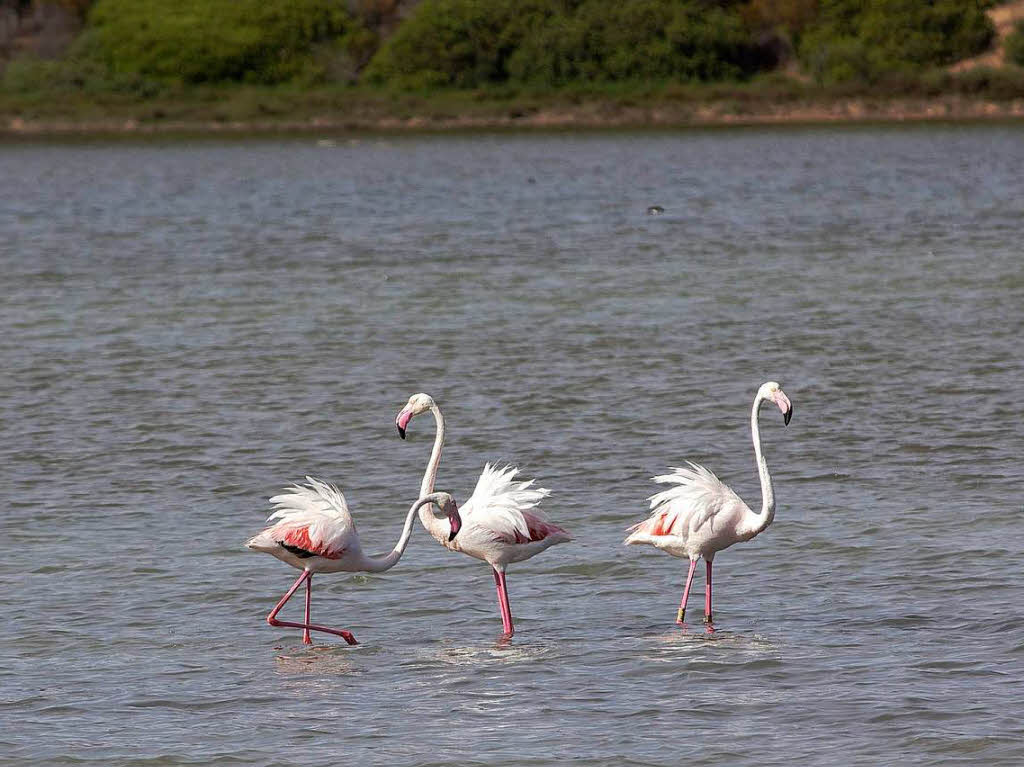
x=502, y=505
x=318, y=499
x=320, y=508
x=696, y=495
x=697, y=515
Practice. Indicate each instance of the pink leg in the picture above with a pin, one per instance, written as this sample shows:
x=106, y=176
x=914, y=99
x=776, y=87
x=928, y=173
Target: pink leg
x=681, y=615
x=506, y=612
x=707, y=596
x=306, y=639
x=273, y=621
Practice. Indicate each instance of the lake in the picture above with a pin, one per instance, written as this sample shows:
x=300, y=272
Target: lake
x=191, y=325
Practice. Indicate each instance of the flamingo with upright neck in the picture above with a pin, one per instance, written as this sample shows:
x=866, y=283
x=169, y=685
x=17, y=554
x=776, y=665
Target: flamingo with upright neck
x=700, y=515
x=314, y=532
x=501, y=521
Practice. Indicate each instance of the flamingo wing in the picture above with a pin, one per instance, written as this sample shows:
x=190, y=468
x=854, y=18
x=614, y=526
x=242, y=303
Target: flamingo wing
x=508, y=509
x=312, y=519
x=696, y=496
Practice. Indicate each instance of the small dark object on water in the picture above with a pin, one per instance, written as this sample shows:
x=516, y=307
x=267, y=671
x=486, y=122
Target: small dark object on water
x=531, y=180
x=655, y=210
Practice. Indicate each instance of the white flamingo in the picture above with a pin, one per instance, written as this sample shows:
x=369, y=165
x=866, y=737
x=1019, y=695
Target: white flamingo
x=314, y=532
x=501, y=523
x=700, y=515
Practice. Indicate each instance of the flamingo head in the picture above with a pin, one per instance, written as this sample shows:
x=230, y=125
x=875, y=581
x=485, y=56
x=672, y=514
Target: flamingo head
x=446, y=508
x=418, y=403
x=773, y=392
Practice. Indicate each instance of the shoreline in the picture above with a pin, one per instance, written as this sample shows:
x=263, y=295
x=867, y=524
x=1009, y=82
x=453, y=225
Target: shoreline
x=590, y=115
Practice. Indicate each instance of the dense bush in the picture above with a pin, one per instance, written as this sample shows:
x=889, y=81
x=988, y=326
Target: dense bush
x=141, y=47
x=470, y=43
x=214, y=40
x=866, y=39
x=637, y=40
x=1014, y=45
x=458, y=42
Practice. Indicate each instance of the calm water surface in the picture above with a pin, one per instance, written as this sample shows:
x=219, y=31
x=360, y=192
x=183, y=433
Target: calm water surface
x=189, y=326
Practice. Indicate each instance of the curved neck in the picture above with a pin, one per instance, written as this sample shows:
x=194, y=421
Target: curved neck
x=439, y=529
x=382, y=562
x=427, y=485
x=767, y=491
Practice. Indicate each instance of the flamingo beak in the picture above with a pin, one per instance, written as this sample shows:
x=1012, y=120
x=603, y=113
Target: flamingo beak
x=402, y=421
x=455, y=520
x=785, y=406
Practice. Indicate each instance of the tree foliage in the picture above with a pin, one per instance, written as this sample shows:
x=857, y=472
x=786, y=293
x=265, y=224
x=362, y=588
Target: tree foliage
x=637, y=40
x=866, y=39
x=554, y=42
x=142, y=44
x=461, y=43
x=214, y=40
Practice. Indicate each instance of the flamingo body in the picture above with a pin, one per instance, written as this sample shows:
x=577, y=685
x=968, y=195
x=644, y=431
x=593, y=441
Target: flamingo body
x=313, y=531
x=698, y=515
x=501, y=521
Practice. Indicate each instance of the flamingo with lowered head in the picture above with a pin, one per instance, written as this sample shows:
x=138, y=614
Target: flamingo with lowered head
x=315, y=533
x=501, y=523
x=700, y=515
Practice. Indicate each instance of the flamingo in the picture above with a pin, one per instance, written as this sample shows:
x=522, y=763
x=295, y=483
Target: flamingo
x=315, y=533
x=501, y=521
x=700, y=515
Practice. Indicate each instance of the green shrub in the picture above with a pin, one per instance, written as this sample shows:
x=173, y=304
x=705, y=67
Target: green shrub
x=456, y=42
x=636, y=40
x=866, y=39
x=196, y=41
x=1014, y=45
x=469, y=43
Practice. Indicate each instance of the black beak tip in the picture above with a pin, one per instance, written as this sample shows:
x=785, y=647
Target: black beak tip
x=401, y=431
x=452, y=534
x=787, y=416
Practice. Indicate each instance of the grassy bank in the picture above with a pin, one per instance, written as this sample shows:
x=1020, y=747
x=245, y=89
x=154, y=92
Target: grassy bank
x=976, y=94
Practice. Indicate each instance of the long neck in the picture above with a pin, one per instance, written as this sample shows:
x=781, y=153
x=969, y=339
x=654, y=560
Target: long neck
x=382, y=562
x=438, y=528
x=767, y=491
x=427, y=485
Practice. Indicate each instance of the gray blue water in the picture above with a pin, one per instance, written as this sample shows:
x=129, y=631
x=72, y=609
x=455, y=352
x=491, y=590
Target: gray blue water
x=187, y=326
